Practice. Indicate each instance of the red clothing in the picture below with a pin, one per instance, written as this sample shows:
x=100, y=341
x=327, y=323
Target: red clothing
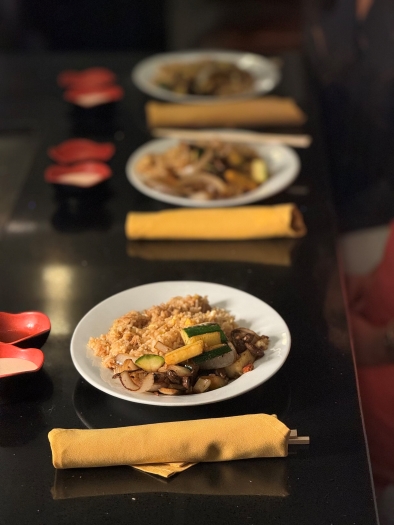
x=377, y=395
x=379, y=309
x=377, y=382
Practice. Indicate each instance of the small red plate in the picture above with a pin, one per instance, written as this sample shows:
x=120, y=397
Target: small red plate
x=93, y=76
x=77, y=150
x=31, y=360
x=89, y=97
x=21, y=328
x=82, y=174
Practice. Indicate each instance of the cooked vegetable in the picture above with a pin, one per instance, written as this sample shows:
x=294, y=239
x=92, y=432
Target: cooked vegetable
x=216, y=351
x=150, y=362
x=161, y=347
x=259, y=170
x=127, y=382
x=202, y=329
x=215, y=381
x=202, y=385
x=169, y=391
x=204, y=77
x=219, y=362
x=245, y=339
x=184, y=353
x=235, y=369
x=207, y=170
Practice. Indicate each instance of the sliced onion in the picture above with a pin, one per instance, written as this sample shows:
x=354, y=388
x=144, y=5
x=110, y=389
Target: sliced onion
x=144, y=385
x=161, y=347
x=121, y=358
x=221, y=361
x=147, y=383
x=202, y=385
x=191, y=169
x=127, y=365
x=204, y=180
x=127, y=382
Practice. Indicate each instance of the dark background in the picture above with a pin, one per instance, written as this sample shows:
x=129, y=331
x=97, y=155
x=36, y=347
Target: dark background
x=151, y=25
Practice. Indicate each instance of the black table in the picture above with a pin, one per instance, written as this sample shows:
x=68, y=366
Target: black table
x=62, y=252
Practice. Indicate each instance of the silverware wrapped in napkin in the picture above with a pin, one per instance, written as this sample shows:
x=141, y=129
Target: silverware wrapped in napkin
x=239, y=223
x=265, y=111
x=167, y=448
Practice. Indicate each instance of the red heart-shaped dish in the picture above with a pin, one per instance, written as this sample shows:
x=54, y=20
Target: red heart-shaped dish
x=89, y=97
x=22, y=328
x=91, y=77
x=15, y=360
x=82, y=174
x=78, y=150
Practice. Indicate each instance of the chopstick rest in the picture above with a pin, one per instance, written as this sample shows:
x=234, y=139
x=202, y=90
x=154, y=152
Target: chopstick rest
x=204, y=440
x=244, y=222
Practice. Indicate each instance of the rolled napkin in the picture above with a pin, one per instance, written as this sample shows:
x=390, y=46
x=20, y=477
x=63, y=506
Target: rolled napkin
x=204, y=440
x=266, y=111
x=244, y=222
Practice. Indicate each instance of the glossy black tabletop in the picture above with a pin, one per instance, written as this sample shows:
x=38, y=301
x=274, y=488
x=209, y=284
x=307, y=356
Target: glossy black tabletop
x=62, y=251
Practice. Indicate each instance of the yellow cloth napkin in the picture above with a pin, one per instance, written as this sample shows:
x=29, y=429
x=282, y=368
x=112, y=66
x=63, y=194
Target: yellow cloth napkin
x=245, y=222
x=276, y=252
x=265, y=111
x=204, y=440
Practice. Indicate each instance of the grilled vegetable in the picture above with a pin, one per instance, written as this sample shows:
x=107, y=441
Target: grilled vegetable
x=215, y=381
x=150, y=362
x=184, y=353
x=220, y=361
x=202, y=385
x=236, y=369
x=216, y=351
x=200, y=329
x=259, y=171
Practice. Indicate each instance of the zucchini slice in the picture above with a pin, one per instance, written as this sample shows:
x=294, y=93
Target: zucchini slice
x=200, y=329
x=210, y=354
x=209, y=339
x=150, y=362
x=184, y=353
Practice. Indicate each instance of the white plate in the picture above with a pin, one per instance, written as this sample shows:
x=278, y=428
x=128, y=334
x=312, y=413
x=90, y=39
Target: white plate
x=249, y=311
x=283, y=165
x=265, y=72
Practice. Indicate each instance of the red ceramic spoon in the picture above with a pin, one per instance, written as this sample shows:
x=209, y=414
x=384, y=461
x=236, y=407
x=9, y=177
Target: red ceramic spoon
x=21, y=328
x=82, y=174
x=77, y=150
x=15, y=360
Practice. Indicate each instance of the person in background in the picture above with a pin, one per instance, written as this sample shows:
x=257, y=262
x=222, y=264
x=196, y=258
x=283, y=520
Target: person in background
x=350, y=52
x=371, y=315
x=349, y=47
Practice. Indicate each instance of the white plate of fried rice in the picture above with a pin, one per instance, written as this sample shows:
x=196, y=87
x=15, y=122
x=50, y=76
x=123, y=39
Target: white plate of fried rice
x=228, y=306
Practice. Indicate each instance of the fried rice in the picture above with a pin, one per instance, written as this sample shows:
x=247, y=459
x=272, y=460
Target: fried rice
x=136, y=333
